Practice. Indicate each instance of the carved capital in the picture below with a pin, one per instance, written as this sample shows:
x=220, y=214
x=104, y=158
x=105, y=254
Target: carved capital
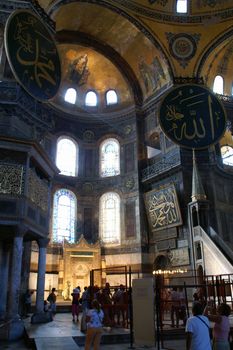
x=43, y=242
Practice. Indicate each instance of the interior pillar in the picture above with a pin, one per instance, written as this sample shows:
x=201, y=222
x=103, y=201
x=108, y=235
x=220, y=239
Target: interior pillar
x=40, y=316
x=15, y=275
x=4, y=272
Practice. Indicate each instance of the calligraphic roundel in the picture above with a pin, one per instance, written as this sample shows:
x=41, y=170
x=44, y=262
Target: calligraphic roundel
x=192, y=116
x=32, y=55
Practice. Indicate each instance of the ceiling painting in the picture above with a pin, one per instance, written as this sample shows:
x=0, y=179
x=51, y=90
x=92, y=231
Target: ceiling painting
x=147, y=37
x=85, y=69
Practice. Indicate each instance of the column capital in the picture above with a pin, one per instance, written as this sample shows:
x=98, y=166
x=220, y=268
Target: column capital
x=43, y=242
x=20, y=230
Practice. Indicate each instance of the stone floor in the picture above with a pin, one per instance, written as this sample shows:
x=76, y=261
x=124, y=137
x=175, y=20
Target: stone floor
x=59, y=335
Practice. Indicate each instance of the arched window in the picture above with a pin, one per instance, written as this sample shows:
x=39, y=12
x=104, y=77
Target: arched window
x=66, y=159
x=64, y=216
x=227, y=155
x=111, y=97
x=110, y=218
x=109, y=158
x=71, y=95
x=218, y=85
x=91, y=99
x=181, y=6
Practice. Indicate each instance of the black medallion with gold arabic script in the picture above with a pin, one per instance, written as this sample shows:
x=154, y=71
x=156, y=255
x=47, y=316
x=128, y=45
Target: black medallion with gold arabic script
x=192, y=116
x=32, y=55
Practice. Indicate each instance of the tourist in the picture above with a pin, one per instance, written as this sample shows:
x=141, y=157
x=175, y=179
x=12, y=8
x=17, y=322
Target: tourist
x=197, y=330
x=52, y=301
x=94, y=321
x=75, y=303
x=28, y=301
x=221, y=329
x=174, y=307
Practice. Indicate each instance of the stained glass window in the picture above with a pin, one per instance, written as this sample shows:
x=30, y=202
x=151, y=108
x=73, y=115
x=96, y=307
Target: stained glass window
x=109, y=158
x=181, y=6
x=64, y=216
x=110, y=218
x=91, y=99
x=111, y=97
x=71, y=95
x=218, y=85
x=66, y=160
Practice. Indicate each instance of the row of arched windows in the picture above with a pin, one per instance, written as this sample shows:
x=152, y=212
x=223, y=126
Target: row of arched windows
x=65, y=217
x=91, y=98
x=67, y=157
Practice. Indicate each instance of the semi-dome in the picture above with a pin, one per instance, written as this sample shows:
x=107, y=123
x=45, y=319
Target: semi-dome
x=139, y=48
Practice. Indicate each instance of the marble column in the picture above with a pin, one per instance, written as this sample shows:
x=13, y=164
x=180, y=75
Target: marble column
x=13, y=328
x=4, y=272
x=15, y=276
x=40, y=316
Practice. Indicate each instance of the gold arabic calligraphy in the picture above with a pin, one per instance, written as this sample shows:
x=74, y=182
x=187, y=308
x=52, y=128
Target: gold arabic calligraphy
x=163, y=208
x=42, y=65
x=186, y=121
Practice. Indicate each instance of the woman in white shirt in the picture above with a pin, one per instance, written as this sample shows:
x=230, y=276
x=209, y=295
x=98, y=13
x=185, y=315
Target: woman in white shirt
x=94, y=321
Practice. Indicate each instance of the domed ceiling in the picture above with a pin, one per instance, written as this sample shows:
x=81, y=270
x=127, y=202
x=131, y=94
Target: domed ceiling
x=143, y=44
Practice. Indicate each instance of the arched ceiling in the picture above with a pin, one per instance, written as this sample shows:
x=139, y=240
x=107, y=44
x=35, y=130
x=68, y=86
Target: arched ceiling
x=145, y=40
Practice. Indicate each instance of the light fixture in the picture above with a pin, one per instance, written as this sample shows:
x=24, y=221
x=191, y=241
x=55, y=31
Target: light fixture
x=169, y=272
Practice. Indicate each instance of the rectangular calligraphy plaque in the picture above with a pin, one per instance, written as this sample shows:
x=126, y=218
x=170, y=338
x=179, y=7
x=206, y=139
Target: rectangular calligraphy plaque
x=180, y=256
x=162, y=207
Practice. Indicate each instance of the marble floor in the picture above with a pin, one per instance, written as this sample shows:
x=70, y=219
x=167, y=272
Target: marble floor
x=58, y=335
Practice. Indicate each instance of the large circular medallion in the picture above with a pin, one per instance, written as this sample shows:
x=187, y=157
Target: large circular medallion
x=32, y=55
x=183, y=46
x=192, y=116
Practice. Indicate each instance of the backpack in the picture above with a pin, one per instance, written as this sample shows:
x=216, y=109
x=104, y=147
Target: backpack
x=50, y=298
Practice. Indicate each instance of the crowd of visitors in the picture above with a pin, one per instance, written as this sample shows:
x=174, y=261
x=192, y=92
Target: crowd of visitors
x=109, y=307
x=114, y=304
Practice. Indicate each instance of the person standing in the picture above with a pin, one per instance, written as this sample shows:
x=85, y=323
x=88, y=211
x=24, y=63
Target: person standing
x=94, y=320
x=197, y=330
x=52, y=301
x=221, y=329
x=75, y=303
x=174, y=307
x=28, y=301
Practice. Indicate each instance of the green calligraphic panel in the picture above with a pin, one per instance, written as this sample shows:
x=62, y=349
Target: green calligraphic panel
x=192, y=116
x=32, y=54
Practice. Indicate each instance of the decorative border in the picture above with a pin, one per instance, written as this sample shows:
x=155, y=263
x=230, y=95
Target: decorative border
x=151, y=13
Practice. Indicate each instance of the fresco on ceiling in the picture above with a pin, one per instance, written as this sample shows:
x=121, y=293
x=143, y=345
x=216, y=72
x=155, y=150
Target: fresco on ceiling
x=78, y=71
x=151, y=73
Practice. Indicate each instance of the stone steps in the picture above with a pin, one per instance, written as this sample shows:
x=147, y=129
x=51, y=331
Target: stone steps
x=59, y=343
